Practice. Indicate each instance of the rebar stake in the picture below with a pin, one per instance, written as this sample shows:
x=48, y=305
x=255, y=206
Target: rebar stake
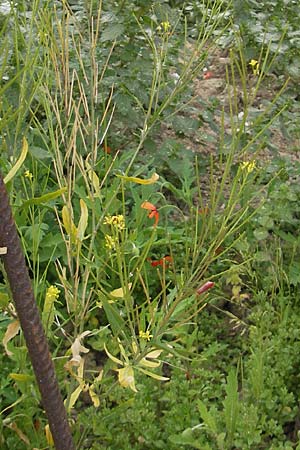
x=27, y=310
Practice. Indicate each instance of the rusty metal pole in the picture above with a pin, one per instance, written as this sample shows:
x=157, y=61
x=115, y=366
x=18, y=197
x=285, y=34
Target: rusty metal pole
x=27, y=310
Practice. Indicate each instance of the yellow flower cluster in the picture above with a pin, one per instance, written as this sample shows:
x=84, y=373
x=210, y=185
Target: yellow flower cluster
x=110, y=242
x=28, y=174
x=52, y=293
x=255, y=66
x=164, y=27
x=145, y=335
x=248, y=166
x=117, y=221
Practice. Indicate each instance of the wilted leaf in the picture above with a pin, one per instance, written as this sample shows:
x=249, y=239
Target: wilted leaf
x=48, y=313
x=83, y=221
x=113, y=358
x=69, y=224
x=151, y=355
x=94, y=397
x=94, y=179
x=126, y=377
x=49, y=437
x=154, y=353
x=77, y=348
x=18, y=163
x=151, y=364
x=74, y=397
x=120, y=292
x=12, y=330
x=150, y=180
x=153, y=375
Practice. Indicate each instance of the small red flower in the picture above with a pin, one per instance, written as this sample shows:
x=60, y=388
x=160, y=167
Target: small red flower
x=107, y=149
x=207, y=75
x=205, y=287
x=153, y=211
x=166, y=260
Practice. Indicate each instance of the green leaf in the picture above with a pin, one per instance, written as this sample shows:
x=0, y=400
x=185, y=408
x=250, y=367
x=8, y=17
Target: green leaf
x=44, y=198
x=4, y=300
x=187, y=438
x=261, y=234
x=207, y=417
x=39, y=153
x=231, y=404
x=112, y=32
x=294, y=273
x=113, y=315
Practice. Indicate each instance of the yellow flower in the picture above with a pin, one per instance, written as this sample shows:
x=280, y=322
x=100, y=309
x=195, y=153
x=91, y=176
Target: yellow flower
x=117, y=221
x=248, y=166
x=52, y=293
x=255, y=66
x=110, y=242
x=28, y=174
x=165, y=25
x=145, y=335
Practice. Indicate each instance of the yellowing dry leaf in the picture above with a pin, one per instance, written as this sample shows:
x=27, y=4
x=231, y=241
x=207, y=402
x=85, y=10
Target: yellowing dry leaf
x=76, y=349
x=137, y=180
x=74, y=397
x=154, y=354
x=94, y=397
x=151, y=364
x=11, y=331
x=83, y=221
x=18, y=163
x=93, y=176
x=153, y=375
x=69, y=224
x=126, y=377
x=134, y=347
x=120, y=292
x=151, y=355
x=113, y=358
x=49, y=437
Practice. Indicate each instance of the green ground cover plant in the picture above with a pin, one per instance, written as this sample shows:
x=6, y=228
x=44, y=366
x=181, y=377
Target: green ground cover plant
x=167, y=276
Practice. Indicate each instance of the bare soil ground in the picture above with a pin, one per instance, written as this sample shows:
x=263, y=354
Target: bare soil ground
x=213, y=87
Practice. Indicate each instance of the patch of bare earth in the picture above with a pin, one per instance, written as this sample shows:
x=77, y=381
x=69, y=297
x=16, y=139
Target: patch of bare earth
x=212, y=88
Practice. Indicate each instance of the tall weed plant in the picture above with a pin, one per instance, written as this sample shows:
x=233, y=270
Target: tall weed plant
x=120, y=272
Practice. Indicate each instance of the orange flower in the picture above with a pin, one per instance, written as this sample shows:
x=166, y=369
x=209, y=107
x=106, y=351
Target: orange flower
x=153, y=211
x=107, y=149
x=166, y=260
